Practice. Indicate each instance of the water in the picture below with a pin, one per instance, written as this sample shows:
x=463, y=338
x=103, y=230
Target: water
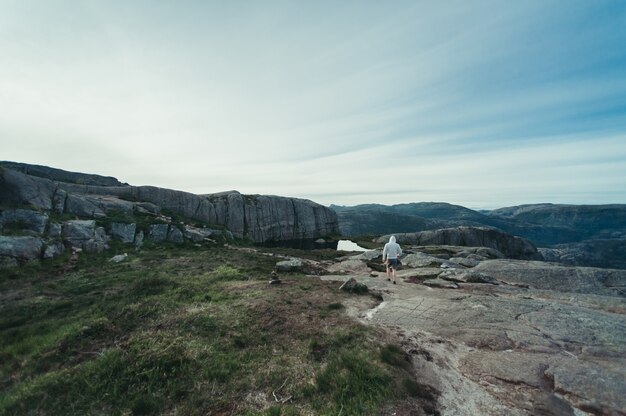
x=347, y=245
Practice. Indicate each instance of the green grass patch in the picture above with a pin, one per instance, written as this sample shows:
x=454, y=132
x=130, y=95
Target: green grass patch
x=187, y=330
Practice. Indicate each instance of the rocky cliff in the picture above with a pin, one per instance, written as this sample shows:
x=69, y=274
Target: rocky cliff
x=31, y=208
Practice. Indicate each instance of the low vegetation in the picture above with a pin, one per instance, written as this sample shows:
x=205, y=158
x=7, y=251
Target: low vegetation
x=193, y=330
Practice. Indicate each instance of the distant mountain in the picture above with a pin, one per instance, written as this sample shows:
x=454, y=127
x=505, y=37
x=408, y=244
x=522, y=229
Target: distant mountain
x=589, y=221
x=574, y=230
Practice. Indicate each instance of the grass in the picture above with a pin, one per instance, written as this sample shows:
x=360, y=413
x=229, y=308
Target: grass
x=188, y=330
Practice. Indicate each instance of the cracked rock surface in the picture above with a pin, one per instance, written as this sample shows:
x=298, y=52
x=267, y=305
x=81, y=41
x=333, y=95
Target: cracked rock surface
x=546, y=340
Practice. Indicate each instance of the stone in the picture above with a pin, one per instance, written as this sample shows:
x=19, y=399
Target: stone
x=550, y=276
x=351, y=265
x=24, y=219
x=147, y=208
x=440, y=283
x=124, y=232
x=139, y=240
x=158, y=232
x=260, y=218
x=199, y=234
x=175, y=235
x=54, y=230
x=21, y=248
x=78, y=229
x=118, y=258
x=83, y=207
x=467, y=276
x=53, y=250
x=351, y=285
x=85, y=235
x=289, y=265
x=451, y=265
x=421, y=260
x=467, y=262
x=19, y=189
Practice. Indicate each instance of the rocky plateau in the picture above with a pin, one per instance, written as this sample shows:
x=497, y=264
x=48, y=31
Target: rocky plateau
x=501, y=336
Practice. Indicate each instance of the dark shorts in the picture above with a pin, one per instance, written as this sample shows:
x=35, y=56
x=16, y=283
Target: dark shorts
x=393, y=263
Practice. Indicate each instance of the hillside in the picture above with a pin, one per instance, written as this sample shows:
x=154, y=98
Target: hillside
x=191, y=330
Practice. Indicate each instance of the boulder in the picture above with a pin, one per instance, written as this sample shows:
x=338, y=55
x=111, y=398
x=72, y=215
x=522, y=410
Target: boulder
x=440, y=283
x=289, y=265
x=467, y=276
x=351, y=265
x=19, y=189
x=139, y=240
x=421, y=260
x=124, y=232
x=21, y=248
x=84, y=234
x=53, y=250
x=24, y=220
x=158, y=232
x=54, y=230
x=467, y=262
x=351, y=285
x=199, y=234
x=175, y=235
x=118, y=258
x=83, y=207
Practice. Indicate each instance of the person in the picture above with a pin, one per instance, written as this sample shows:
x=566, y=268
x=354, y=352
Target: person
x=391, y=253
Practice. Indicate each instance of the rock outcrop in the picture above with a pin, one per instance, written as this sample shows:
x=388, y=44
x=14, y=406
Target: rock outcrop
x=28, y=202
x=509, y=245
x=508, y=337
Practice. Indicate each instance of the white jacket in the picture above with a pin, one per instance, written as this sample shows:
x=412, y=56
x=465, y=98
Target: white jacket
x=392, y=249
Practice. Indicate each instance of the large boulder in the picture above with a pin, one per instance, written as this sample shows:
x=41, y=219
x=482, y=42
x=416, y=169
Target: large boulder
x=158, y=232
x=18, y=189
x=24, y=220
x=124, y=232
x=21, y=248
x=510, y=245
x=84, y=234
x=290, y=265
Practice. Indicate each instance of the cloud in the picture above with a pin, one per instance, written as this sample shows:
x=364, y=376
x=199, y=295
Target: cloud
x=471, y=102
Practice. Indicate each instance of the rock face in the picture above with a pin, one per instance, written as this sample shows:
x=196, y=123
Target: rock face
x=509, y=337
x=257, y=217
x=546, y=276
x=61, y=175
x=511, y=246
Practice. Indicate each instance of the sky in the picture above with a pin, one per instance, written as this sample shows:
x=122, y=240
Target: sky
x=484, y=104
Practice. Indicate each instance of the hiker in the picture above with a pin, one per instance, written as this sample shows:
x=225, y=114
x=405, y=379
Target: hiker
x=391, y=253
